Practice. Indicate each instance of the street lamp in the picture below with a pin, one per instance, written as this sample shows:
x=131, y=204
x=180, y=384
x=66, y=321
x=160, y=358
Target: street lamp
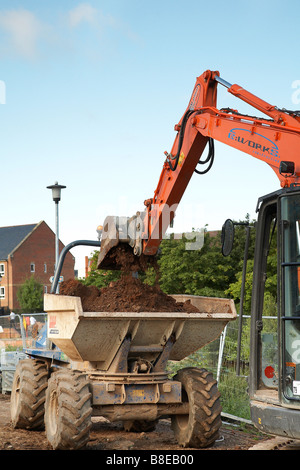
x=99, y=231
x=56, y=192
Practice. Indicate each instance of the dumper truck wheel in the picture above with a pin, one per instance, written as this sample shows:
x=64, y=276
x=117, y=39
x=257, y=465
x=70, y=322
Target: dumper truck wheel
x=200, y=427
x=28, y=394
x=68, y=410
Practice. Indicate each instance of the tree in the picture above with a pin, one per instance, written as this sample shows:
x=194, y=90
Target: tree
x=203, y=272
x=195, y=272
x=99, y=277
x=30, y=296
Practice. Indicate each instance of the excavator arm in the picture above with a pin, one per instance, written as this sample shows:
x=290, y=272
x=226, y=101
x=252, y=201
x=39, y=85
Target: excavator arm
x=274, y=140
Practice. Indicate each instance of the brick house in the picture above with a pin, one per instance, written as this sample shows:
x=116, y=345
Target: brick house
x=25, y=251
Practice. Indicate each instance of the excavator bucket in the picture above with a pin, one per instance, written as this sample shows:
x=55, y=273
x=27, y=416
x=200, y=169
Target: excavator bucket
x=121, y=243
x=113, y=232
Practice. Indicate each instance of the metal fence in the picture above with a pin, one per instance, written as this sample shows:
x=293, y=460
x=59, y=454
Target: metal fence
x=16, y=332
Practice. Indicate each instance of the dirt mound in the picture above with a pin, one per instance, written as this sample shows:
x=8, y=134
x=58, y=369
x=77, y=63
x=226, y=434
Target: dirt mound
x=128, y=294
x=121, y=257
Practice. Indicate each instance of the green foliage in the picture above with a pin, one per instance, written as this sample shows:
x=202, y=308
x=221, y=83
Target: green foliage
x=30, y=296
x=234, y=396
x=203, y=272
x=99, y=277
x=10, y=348
x=195, y=272
x=234, y=289
x=205, y=357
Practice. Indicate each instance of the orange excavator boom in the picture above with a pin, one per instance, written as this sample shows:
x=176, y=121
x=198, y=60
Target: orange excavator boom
x=274, y=140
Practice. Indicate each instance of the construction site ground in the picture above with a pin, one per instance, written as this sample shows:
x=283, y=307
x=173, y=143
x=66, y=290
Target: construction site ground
x=111, y=437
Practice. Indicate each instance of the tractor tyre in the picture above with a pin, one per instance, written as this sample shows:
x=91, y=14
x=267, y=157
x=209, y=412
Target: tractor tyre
x=68, y=410
x=27, y=402
x=200, y=427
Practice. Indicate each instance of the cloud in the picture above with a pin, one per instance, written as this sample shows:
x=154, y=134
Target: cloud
x=82, y=13
x=23, y=29
x=101, y=22
x=23, y=34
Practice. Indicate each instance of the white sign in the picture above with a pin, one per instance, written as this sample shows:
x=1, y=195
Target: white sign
x=296, y=387
x=61, y=278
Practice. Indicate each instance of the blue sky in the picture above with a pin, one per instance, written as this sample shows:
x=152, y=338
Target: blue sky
x=91, y=92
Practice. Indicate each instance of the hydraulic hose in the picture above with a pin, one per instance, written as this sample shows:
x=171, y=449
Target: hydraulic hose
x=209, y=159
x=211, y=151
x=180, y=140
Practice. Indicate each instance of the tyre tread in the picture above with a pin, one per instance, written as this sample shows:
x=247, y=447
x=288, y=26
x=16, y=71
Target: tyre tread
x=204, y=418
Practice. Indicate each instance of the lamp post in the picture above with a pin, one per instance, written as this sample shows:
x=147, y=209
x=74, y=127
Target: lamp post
x=56, y=193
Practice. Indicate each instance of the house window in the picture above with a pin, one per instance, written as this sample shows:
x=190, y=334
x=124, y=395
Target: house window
x=45, y=289
x=2, y=270
x=2, y=292
x=45, y=267
x=32, y=267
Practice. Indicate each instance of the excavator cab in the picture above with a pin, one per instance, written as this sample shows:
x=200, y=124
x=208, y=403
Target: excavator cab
x=274, y=380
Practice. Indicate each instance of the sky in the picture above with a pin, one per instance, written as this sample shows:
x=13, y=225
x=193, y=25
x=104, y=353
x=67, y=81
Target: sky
x=90, y=93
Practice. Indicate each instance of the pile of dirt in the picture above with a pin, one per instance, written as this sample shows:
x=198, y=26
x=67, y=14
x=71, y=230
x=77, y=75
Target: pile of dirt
x=128, y=294
x=121, y=257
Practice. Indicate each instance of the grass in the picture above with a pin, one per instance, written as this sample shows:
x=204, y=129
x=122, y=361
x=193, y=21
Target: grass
x=234, y=396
